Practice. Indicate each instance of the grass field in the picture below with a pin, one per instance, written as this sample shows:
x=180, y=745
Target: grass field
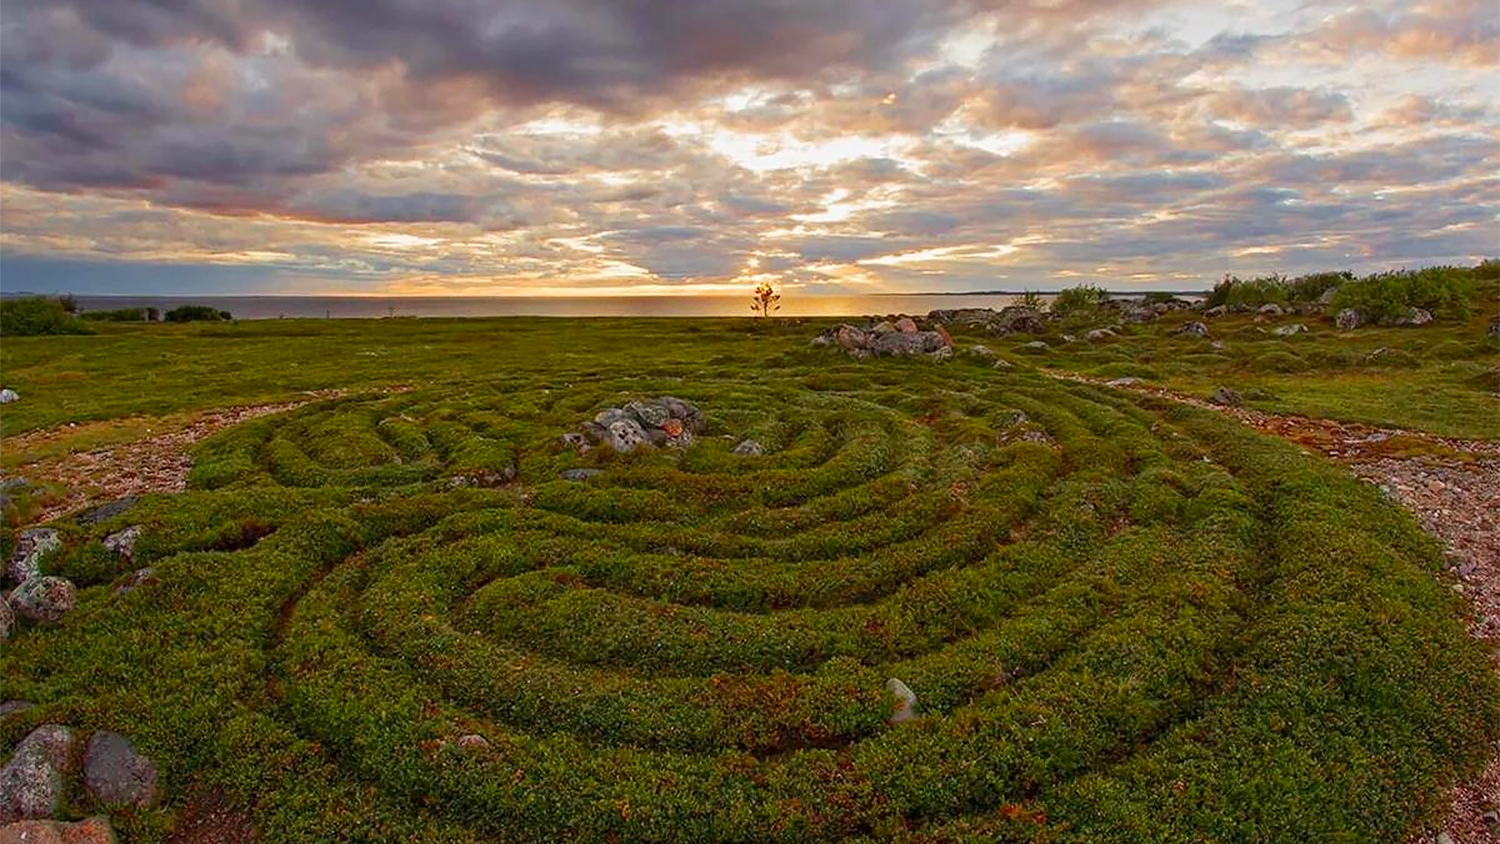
x=1124, y=619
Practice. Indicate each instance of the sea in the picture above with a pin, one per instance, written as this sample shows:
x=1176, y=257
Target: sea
x=372, y=307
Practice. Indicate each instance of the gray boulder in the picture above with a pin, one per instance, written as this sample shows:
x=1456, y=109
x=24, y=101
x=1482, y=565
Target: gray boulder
x=963, y=316
x=121, y=543
x=1100, y=335
x=8, y=395
x=905, y=706
x=1289, y=330
x=32, y=544
x=1226, y=397
x=1348, y=319
x=609, y=416
x=116, y=774
x=1036, y=346
x=1193, y=329
x=31, y=783
x=648, y=414
x=578, y=474
x=44, y=598
x=980, y=351
x=1270, y=309
x=1216, y=311
x=1019, y=318
x=1414, y=317
x=749, y=448
x=625, y=435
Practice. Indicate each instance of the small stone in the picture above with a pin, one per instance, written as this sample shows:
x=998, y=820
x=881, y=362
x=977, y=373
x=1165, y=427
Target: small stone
x=1415, y=316
x=672, y=427
x=574, y=439
x=473, y=741
x=31, y=783
x=32, y=544
x=122, y=543
x=1216, y=311
x=1289, y=330
x=1492, y=820
x=10, y=707
x=906, y=325
x=1002, y=363
x=1348, y=319
x=136, y=579
x=906, y=701
x=1193, y=329
x=8, y=395
x=44, y=599
x=578, y=474
x=1036, y=346
x=1226, y=397
x=1100, y=335
x=1127, y=381
x=608, y=416
x=981, y=351
x=116, y=774
x=942, y=354
x=749, y=448
x=1270, y=309
x=1442, y=838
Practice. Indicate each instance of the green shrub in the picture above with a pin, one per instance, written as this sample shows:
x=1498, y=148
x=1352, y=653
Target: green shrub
x=37, y=315
x=1085, y=297
x=197, y=313
x=1446, y=292
x=123, y=315
x=1234, y=292
x=1487, y=270
x=1307, y=288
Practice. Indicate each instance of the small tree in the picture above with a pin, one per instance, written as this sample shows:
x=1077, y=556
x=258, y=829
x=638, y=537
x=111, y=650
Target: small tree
x=765, y=299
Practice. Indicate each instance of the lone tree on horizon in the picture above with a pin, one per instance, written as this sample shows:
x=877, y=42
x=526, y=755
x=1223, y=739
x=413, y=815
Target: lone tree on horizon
x=765, y=300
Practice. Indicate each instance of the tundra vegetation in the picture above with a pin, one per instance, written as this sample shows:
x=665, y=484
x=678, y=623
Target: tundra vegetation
x=404, y=615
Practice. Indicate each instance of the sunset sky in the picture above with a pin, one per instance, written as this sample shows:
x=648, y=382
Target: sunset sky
x=437, y=147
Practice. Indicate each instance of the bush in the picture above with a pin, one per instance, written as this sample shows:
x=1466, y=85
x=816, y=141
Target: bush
x=122, y=315
x=1487, y=270
x=197, y=313
x=37, y=315
x=1158, y=297
x=1387, y=297
x=1308, y=288
x=1085, y=297
x=1249, y=293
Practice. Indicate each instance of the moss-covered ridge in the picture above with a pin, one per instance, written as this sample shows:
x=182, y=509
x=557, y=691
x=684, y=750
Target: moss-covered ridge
x=1123, y=620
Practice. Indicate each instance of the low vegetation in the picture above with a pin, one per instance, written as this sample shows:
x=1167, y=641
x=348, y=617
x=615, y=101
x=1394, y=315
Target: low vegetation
x=197, y=313
x=123, y=315
x=38, y=315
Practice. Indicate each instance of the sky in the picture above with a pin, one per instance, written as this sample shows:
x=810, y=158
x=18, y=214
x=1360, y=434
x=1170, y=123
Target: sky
x=574, y=147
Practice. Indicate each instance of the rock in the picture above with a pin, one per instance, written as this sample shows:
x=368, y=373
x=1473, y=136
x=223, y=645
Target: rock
x=883, y=327
x=1289, y=330
x=473, y=741
x=906, y=325
x=1139, y=313
x=31, y=783
x=906, y=701
x=672, y=428
x=89, y=831
x=1348, y=319
x=44, y=598
x=1127, y=381
x=7, y=620
x=1495, y=327
x=850, y=338
x=896, y=344
x=1216, y=311
x=648, y=414
x=8, y=395
x=1326, y=297
x=105, y=512
x=1068, y=338
x=1492, y=821
x=1002, y=363
x=1414, y=317
x=625, y=435
x=1036, y=346
x=1193, y=329
x=943, y=335
x=121, y=543
x=749, y=448
x=1100, y=334
x=578, y=474
x=943, y=353
x=116, y=774
x=1226, y=397
x=136, y=579
x=32, y=544
x=981, y=351
x=962, y=316
x=575, y=439
x=1443, y=838
x=1019, y=318
x=1269, y=309
x=10, y=707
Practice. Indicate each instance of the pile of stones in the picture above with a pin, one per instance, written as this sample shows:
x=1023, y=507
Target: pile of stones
x=32, y=783
x=903, y=338
x=45, y=599
x=665, y=421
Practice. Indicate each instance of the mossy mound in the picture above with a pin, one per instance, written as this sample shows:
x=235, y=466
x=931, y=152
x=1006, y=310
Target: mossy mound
x=1123, y=620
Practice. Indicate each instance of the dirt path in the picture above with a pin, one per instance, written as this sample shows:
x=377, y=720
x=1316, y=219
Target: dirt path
x=158, y=463
x=1452, y=486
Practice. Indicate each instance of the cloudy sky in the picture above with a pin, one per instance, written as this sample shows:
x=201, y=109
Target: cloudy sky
x=607, y=146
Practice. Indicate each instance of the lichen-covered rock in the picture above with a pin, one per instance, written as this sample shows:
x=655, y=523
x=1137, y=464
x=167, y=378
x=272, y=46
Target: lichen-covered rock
x=1100, y=334
x=136, y=579
x=905, y=707
x=625, y=436
x=32, y=544
x=31, y=783
x=44, y=599
x=1270, y=309
x=980, y=351
x=8, y=395
x=749, y=448
x=1289, y=330
x=906, y=325
x=1192, y=329
x=1414, y=317
x=1215, y=312
x=121, y=543
x=473, y=741
x=1348, y=319
x=116, y=774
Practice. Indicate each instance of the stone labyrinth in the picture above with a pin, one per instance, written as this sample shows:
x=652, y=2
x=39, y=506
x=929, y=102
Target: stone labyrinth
x=1118, y=621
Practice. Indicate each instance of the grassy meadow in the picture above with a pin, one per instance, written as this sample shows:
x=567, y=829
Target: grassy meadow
x=1124, y=619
